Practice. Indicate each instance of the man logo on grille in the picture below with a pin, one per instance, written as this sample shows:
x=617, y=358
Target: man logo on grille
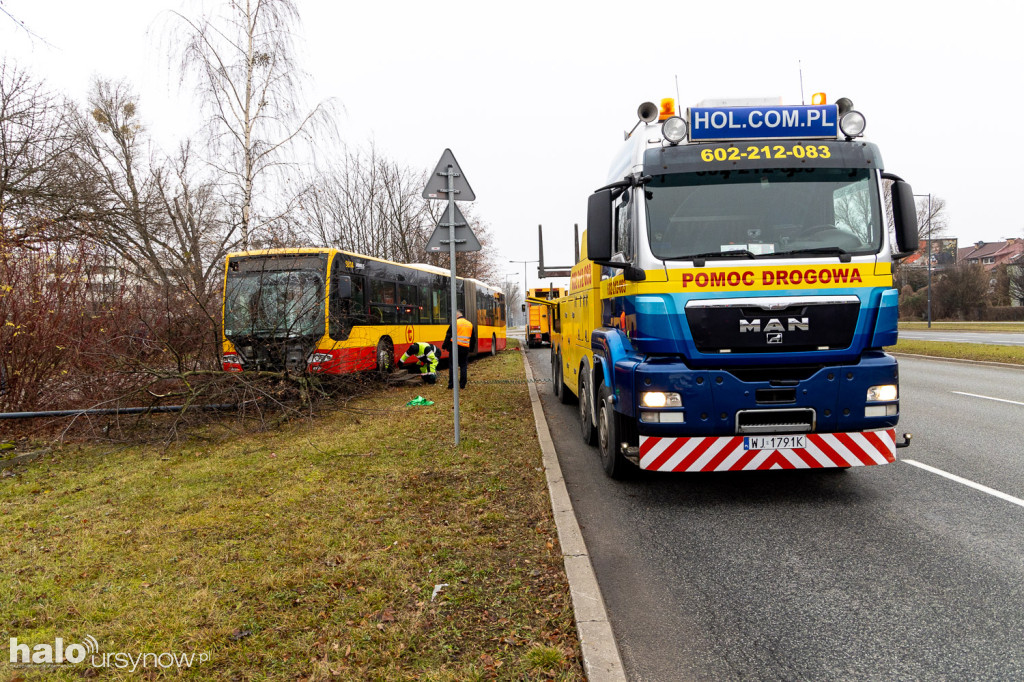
x=774, y=324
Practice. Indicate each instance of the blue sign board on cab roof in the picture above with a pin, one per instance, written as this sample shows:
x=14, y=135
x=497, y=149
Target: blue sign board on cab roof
x=761, y=123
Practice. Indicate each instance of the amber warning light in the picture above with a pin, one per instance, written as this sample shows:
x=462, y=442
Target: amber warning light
x=668, y=109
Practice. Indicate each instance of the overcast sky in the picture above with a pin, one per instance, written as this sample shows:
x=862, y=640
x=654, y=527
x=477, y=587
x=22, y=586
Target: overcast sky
x=533, y=97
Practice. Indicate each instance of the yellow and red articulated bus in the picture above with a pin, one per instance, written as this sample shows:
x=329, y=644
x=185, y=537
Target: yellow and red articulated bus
x=333, y=312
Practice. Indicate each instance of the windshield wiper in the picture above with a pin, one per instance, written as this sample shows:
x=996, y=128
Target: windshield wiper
x=699, y=258
x=844, y=255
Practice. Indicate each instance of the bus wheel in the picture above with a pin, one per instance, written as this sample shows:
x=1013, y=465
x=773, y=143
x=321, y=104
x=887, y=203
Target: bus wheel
x=586, y=423
x=385, y=356
x=494, y=345
x=608, y=437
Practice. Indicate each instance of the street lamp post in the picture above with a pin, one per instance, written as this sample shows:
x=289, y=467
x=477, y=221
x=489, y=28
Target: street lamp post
x=524, y=262
x=514, y=313
x=929, y=228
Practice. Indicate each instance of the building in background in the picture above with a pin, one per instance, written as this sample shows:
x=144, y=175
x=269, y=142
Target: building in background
x=992, y=254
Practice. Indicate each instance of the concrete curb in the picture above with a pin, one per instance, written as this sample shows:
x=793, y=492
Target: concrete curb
x=601, y=661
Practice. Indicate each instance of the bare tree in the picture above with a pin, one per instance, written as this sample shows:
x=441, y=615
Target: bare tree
x=125, y=215
x=476, y=264
x=1015, y=284
x=369, y=204
x=250, y=86
x=39, y=182
x=962, y=291
x=20, y=23
x=932, y=224
x=164, y=224
x=513, y=298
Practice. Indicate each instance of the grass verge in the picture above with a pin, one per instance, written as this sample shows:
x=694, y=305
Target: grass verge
x=1013, y=355
x=360, y=545
x=967, y=326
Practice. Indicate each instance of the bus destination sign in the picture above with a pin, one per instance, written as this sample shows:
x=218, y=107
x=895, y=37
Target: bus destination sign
x=759, y=123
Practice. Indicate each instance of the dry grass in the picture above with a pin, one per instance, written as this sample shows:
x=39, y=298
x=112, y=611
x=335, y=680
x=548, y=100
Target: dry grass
x=313, y=552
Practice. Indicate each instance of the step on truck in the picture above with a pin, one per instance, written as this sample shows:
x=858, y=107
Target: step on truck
x=732, y=301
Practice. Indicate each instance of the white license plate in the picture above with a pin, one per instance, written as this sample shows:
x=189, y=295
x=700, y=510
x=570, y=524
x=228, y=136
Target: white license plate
x=774, y=442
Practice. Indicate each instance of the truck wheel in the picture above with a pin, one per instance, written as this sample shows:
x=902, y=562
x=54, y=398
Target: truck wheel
x=385, y=357
x=608, y=436
x=556, y=384
x=586, y=423
x=561, y=390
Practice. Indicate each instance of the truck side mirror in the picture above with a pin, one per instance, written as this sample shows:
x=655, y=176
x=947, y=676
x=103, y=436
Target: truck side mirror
x=599, y=226
x=904, y=213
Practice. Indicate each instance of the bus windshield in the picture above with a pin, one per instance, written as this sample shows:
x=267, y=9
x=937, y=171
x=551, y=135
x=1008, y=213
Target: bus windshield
x=763, y=213
x=274, y=304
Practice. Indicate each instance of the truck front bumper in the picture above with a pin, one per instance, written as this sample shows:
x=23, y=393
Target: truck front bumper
x=733, y=453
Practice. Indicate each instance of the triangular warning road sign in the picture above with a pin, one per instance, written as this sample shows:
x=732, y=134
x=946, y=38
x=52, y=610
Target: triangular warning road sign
x=437, y=184
x=465, y=240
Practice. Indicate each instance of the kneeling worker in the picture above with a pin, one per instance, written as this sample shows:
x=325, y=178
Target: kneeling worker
x=425, y=355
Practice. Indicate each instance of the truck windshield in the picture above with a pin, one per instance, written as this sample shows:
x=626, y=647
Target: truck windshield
x=763, y=213
x=274, y=304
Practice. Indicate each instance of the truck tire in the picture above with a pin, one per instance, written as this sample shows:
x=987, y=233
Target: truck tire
x=609, y=435
x=562, y=391
x=556, y=386
x=587, y=431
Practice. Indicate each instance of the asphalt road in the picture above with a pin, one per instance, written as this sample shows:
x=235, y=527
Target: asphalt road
x=879, y=573
x=988, y=338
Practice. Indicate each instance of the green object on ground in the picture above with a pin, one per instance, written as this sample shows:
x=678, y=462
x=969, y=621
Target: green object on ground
x=419, y=400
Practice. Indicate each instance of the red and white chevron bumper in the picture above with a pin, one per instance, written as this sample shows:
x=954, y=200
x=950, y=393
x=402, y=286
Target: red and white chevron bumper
x=731, y=453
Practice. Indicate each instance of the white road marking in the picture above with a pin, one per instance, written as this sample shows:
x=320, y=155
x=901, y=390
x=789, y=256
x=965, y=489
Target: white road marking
x=971, y=484
x=986, y=397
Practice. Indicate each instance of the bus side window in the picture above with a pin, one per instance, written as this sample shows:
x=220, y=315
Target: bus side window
x=423, y=309
x=440, y=305
x=383, y=308
x=408, y=311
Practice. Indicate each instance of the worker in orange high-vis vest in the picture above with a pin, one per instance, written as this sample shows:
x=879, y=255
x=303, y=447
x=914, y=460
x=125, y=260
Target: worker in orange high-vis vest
x=463, y=336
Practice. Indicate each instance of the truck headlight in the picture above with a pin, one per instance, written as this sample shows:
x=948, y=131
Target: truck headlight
x=319, y=358
x=660, y=399
x=883, y=394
